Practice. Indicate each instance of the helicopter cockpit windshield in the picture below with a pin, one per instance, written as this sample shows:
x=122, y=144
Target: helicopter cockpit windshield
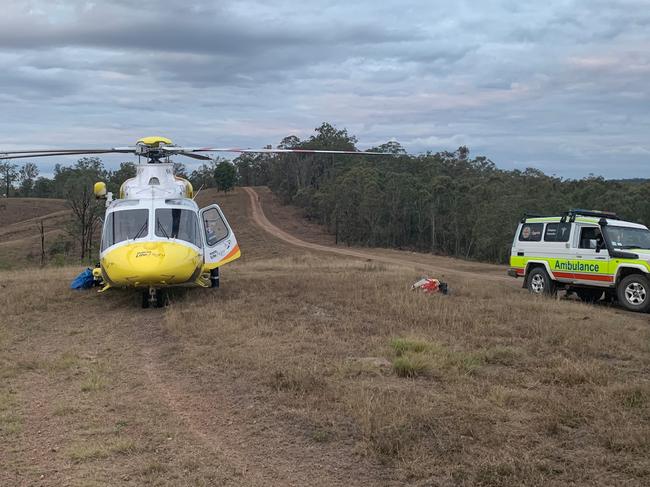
x=125, y=225
x=179, y=224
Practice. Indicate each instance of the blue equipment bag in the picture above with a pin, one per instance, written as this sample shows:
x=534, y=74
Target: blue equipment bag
x=85, y=280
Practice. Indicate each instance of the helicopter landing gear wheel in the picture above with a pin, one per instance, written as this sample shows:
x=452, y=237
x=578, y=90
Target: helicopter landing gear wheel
x=162, y=299
x=154, y=298
x=214, y=278
x=149, y=298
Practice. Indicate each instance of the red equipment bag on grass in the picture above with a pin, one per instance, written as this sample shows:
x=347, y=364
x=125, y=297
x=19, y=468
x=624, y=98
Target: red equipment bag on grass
x=429, y=286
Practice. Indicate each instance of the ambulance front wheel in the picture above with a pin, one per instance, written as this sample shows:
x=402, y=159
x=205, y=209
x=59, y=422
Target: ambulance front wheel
x=540, y=283
x=634, y=293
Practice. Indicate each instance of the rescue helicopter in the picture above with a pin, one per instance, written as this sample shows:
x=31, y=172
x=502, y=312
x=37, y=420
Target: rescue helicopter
x=154, y=235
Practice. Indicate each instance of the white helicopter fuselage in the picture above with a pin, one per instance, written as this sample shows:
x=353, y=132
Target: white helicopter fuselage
x=155, y=235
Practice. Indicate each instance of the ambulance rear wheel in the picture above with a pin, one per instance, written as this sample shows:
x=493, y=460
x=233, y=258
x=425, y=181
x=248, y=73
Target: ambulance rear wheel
x=540, y=283
x=634, y=293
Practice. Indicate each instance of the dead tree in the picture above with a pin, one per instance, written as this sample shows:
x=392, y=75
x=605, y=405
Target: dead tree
x=85, y=209
x=41, y=230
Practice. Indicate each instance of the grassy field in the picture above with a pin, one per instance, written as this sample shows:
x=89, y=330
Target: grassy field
x=307, y=368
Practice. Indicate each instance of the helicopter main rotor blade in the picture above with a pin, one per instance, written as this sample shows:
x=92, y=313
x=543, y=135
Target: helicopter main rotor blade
x=52, y=151
x=22, y=155
x=174, y=150
x=193, y=156
x=271, y=151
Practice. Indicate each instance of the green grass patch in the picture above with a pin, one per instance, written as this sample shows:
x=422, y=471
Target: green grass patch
x=415, y=357
x=465, y=362
x=412, y=365
x=402, y=345
x=85, y=452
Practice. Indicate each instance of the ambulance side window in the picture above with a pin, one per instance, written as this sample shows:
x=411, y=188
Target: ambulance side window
x=590, y=238
x=531, y=232
x=557, y=232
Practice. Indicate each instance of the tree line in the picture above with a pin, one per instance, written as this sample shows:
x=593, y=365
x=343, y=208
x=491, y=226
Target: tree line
x=445, y=202
x=24, y=180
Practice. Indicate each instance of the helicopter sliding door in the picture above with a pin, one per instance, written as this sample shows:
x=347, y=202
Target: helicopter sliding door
x=220, y=242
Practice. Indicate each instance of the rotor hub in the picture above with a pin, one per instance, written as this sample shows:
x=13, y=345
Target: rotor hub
x=151, y=147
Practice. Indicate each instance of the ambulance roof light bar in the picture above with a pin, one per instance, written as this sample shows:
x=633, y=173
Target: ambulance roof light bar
x=592, y=213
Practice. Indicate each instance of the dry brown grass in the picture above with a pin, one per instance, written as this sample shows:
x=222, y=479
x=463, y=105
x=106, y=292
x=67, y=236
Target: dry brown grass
x=291, y=365
x=15, y=210
x=488, y=386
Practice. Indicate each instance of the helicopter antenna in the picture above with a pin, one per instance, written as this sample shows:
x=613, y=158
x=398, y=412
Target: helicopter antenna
x=197, y=193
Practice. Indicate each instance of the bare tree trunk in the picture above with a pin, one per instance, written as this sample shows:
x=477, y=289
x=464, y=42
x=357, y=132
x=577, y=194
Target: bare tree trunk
x=469, y=248
x=41, y=227
x=81, y=206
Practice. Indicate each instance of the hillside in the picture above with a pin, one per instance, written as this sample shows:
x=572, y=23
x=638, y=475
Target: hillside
x=313, y=366
x=14, y=210
x=20, y=241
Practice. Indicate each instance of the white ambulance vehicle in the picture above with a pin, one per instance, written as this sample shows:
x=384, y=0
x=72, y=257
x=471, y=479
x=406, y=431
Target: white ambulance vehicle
x=592, y=253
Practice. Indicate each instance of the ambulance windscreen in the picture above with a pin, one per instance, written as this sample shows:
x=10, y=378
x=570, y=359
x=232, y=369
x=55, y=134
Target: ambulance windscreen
x=628, y=237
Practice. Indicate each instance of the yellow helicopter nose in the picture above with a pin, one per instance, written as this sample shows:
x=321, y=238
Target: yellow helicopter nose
x=145, y=264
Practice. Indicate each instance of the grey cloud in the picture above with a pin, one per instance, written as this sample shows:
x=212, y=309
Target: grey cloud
x=561, y=85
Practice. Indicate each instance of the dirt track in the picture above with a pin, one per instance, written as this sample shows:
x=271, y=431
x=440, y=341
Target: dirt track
x=380, y=256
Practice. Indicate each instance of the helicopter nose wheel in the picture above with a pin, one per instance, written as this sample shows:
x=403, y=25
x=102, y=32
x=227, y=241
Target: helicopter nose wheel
x=154, y=298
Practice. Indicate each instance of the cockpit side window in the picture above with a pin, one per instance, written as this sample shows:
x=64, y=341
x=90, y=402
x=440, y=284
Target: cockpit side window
x=124, y=225
x=179, y=224
x=215, y=228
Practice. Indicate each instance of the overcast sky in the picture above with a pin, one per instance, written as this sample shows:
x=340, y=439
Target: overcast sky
x=563, y=86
